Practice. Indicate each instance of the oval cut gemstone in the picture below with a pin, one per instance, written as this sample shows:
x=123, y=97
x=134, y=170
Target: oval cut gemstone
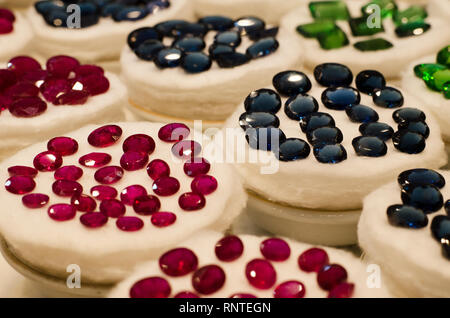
x=217, y=22
x=186, y=149
x=406, y=216
x=103, y=192
x=229, y=38
x=329, y=153
x=83, y=203
x=130, y=193
x=191, y=201
x=408, y=114
x=152, y=287
x=316, y=120
x=231, y=59
x=21, y=89
x=290, y=289
x=64, y=146
x=139, y=36
x=146, y=204
x=61, y=212
x=88, y=69
x=23, y=64
x=168, y=57
x=132, y=13
x=373, y=45
x=275, y=249
x=166, y=186
x=94, y=84
x=189, y=44
x=368, y=81
x=343, y=290
x=408, y=142
x=293, y=149
x=325, y=135
x=300, y=106
x=369, y=146
x=66, y=188
x=173, y=132
x=420, y=177
x=361, y=114
x=186, y=295
x=35, y=200
x=208, y=279
x=262, y=48
x=163, y=219
x=93, y=219
x=157, y=169
x=229, y=248
x=109, y=175
x=178, y=262
x=291, y=83
x=20, y=184
x=313, y=259
x=148, y=49
x=340, y=97
x=54, y=87
x=263, y=100
x=415, y=126
x=258, y=120
x=95, y=160
x=105, y=136
x=47, y=161
x=140, y=143
x=166, y=28
x=247, y=25
x=260, y=274
x=428, y=198
x=28, y=107
x=215, y=50
x=72, y=97
x=61, y=65
x=189, y=29
x=196, y=166
x=412, y=29
x=333, y=74
x=388, y=97
x=134, y=160
x=377, y=129
x=267, y=139
x=5, y=26
x=196, y=62
x=440, y=227
x=112, y=208
x=22, y=171
x=331, y=275
x=204, y=184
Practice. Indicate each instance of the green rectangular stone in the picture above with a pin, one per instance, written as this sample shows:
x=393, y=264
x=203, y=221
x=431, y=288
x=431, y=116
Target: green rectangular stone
x=412, y=29
x=387, y=8
x=411, y=14
x=373, y=45
x=312, y=30
x=334, y=10
x=360, y=27
x=332, y=40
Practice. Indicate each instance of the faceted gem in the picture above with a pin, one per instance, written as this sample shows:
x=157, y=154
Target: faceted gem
x=191, y=201
x=61, y=65
x=313, y=259
x=166, y=186
x=54, y=87
x=186, y=149
x=334, y=39
x=95, y=159
x=130, y=14
x=440, y=227
x=293, y=149
x=422, y=177
x=152, y=287
x=47, y=161
x=35, y=200
x=412, y=29
x=340, y=97
x=163, y=219
x=300, y=106
x=196, y=166
x=157, y=169
x=146, y=204
x=443, y=56
x=88, y=69
x=93, y=219
x=208, y=279
x=167, y=28
x=83, y=203
x=415, y=126
x=373, y=45
x=325, y=135
x=94, y=84
x=408, y=142
x=361, y=114
x=260, y=274
x=258, y=120
x=333, y=74
x=189, y=29
x=262, y=48
x=232, y=59
x=368, y=81
x=134, y=160
x=204, y=184
x=148, y=49
x=66, y=188
x=217, y=23
x=380, y=130
x=329, y=153
x=139, y=142
x=313, y=29
x=173, y=132
x=369, y=146
x=388, y=7
x=248, y=25
x=186, y=295
x=331, y=275
x=22, y=171
x=63, y=146
x=189, y=44
x=263, y=100
x=291, y=83
x=23, y=64
x=7, y=78
x=316, y=120
x=28, y=107
x=426, y=71
x=334, y=10
x=290, y=289
x=428, y=198
x=275, y=249
x=21, y=89
x=105, y=136
x=103, y=192
x=440, y=78
x=72, y=97
x=411, y=14
x=196, y=62
x=343, y=290
x=217, y=49
x=109, y=175
x=178, y=262
x=130, y=193
x=360, y=27
x=20, y=184
x=388, y=97
x=229, y=248
x=112, y=208
x=57, y=18
x=406, y=216
x=266, y=139
x=139, y=36
x=229, y=38
x=61, y=212
x=169, y=57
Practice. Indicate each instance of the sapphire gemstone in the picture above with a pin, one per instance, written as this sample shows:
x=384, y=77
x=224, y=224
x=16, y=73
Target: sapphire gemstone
x=290, y=83
x=420, y=177
x=316, y=120
x=168, y=57
x=248, y=25
x=258, y=120
x=368, y=81
x=148, y=49
x=369, y=146
x=388, y=97
x=196, y=62
x=56, y=18
x=408, y=114
x=440, y=227
x=191, y=29
x=263, y=100
x=138, y=36
x=415, y=126
x=428, y=198
x=380, y=130
x=299, y=106
x=406, y=216
x=189, y=44
x=217, y=23
x=340, y=97
x=331, y=135
x=130, y=14
x=45, y=7
x=409, y=142
x=272, y=32
x=265, y=138
x=361, y=114
x=110, y=9
x=216, y=49
x=167, y=28
x=329, y=153
x=293, y=149
x=230, y=38
x=333, y=74
x=262, y=48
x=229, y=60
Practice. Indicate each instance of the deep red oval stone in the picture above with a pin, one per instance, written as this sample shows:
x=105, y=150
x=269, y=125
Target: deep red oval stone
x=93, y=219
x=7, y=79
x=112, y=208
x=23, y=64
x=35, y=200
x=204, y=184
x=21, y=90
x=343, y=290
x=129, y=223
x=166, y=186
x=243, y=296
x=133, y=160
x=191, y=201
x=66, y=188
x=260, y=274
x=20, y=184
x=186, y=149
x=61, y=65
x=109, y=175
x=275, y=249
x=139, y=143
x=157, y=169
x=27, y=107
x=83, y=203
x=146, y=205
x=73, y=173
x=173, y=132
x=65, y=146
x=47, y=161
x=229, y=248
x=94, y=84
x=6, y=26
x=290, y=289
x=178, y=262
x=72, y=97
x=53, y=87
x=88, y=69
x=186, y=294
x=129, y=194
x=331, y=275
x=208, y=279
x=7, y=15
x=61, y=212
x=196, y=166
x=5, y=102
x=313, y=259
x=103, y=192
x=36, y=77
x=163, y=219
x=152, y=287
x=105, y=136
x=22, y=171
x=95, y=159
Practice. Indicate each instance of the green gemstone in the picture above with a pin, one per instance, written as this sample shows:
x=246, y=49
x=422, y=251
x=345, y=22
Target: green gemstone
x=332, y=40
x=412, y=29
x=387, y=8
x=425, y=71
x=443, y=57
x=440, y=78
x=447, y=90
x=412, y=14
x=360, y=27
x=334, y=10
x=373, y=45
x=312, y=30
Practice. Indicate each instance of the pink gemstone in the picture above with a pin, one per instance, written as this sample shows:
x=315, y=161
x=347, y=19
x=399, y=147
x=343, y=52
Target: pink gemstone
x=261, y=274
x=186, y=294
x=133, y=160
x=95, y=159
x=6, y=26
x=83, y=203
x=7, y=14
x=23, y=64
x=36, y=77
x=109, y=175
x=243, y=296
x=146, y=205
x=163, y=219
x=72, y=173
x=191, y=201
x=152, y=287
x=173, y=132
x=72, y=97
x=208, y=279
x=229, y=248
x=87, y=69
x=186, y=149
x=64, y=146
x=22, y=171
x=105, y=136
x=5, y=102
x=53, y=87
x=275, y=249
x=331, y=275
x=61, y=65
x=129, y=223
x=290, y=289
x=93, y=219
x=7, y=79
x=139, y=143
x=196, y=166
x=343, y=290
x=21, y=90
x=66, y=188
x=20, y=184
x=112, y=208
x=313, y=260
x=129, y=194
x=204, y=184
x=178, y=262
x=157, y=169
x=94, y=84
x=28, y=107
x=61, y=212
x=47, y=161
x=35, y=200
x=103, y=192
x=166, y=186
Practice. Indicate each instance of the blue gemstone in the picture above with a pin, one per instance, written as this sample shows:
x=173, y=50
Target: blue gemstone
x=196, y=62
x=262, y=48
x=331, y=135
x=45, y=7
x=420, y=177
x=168, y=57
x=447, y=207
x=408, y=142
x=217, y=49
x=440, y=227
x=138, y=36
x=329, y=153
x=428, y=198
x=148, y=49
x=380, y=130
x=249, y=24
x=333, y=74
x=408, y=114
x=217, y=23
x=291, y=83
x=299, y=106
x=258, y=120
x=255, y=36
x=263, y=100
x=192, y=29
x=406, y=216
x=265, y=138
x=230, y=38
x=316, y=120
x=361, y=114
x=56, y=18
x=369, y=146
x=189, y=44
x=155, y=6
x=229, y=60
x=388, y=97
x=167, y=28
x=340, y=97
x=111, y=9
x=368, y=81
x=130, y=14
x=293, y=149
x=415, y=126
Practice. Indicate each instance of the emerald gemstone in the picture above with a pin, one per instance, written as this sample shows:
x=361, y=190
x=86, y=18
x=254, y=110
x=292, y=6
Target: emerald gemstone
x=312, y=30
x=373, y=45
x=447, y=90
x=425, y=71
x=440, y=78
x=387, y=8
x=412, y=28
x=443, y=57
x=332, y=40
x=334, y=10
x=412, y=14
x=360, y=27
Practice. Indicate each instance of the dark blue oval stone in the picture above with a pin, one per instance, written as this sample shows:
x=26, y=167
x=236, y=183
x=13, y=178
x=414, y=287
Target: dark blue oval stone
x=263, y=100
x=256, y=35
x=369, y=146
x=361, y=114
x=56, y=18
x=155, y=5
x=388, y=97
x=291, y=83
x=110, y=9
x=230, y=38
x=138, y=36
x=428, y=198
x=340, y=97
x=196, y=62
x=299, y=106
x=265, y=138
x=415, y=126
x=249, y=24
x=409, y=142
x=45, y=7
x=408, y=114
x=380, y=130
x=440, y=227
x=168, y=57
x=192, y=29
x=293, y=149
x=406, y=216
x=167, y=28
x=258, y=120
x=217, y=49
x=369, y=80
x=89, y=14
x=217, y=22
x=333, y=74
x=148, y=49
x=316, y=120
x=189, y=44
x=331, y=135
x=130, y=14
x=329, y=153
x=420, y=177
x=262, y=48
x=229, y=60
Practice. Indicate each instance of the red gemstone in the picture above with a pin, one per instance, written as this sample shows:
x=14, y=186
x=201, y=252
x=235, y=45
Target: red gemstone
x=152, y=287
x=313, y=260
x=87, y=69
x=146, y=205
x=36, y=77
x=47, y=161
x=6, y=26
x=64, y=146
x=73, y=173
x=178, y=262
x=93, y=219
x=20, y=184
x=186, y=294
x=129, y=194
x=204, y=184
x=196, y=166
x=72, y=97
x=21, y=90
x=35, y=200
x=243, y=296
x=158, y=168
x=5, y=102
x=191, y=201
x=260, y=274
x=66, y=188
x=163, y=219
x=208, y=279
x=93, y=84
x=61, y=212
x=290, y=289
x=275, y=249
x=83, y=203
x=173, y=132
x=22, y=171
x=186, y=149
x=343, y=290
x=105, y=136
x=166, y=186
x=95, y=159
x=23, y=64
x=331, y=275
x=53, y=87
x=61, y=65
x=7, y=14
x=112, y=208
x=229, y=248
x=133, y=160
x=109, y=175
x=103, y=192
x=129, y=223
x=27, y=107
x=139, y=143
x=7, y=78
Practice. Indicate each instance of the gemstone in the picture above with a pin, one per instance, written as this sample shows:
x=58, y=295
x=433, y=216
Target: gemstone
x=54, y=87
x=146, y=204
x=191, y=201
x=291, y=83
x=229, y=38
x=248, y=25
x=130, y=14
x=387, y=8
x=325, y=135
x=7, y=78
x=188, y=44
x=412, y=29
x=103, y=192
x=270, y=32
x=204, y=184
x=275, y=249
x=439, y=80
x=109, y=175
x=217, y=49
x=316, y=120
x=20, y=184
x=57, y=18
x=443, y=56
x=47, y=161
x=61, y=65
x=422, y=177
x=5, y=26
x=23, y=64
x=373, y=45
x=167, y=28
x=72, y=97
x=168, y=57
x=262, y=48
x=329, y=153
x=266, y=139
x=208, y=279
x=112, y=208
x=377, y=129
x=242, y=296
x=166, y=186
x=232, y=59
x=93, y=219
x=361, y=27
x=428, y=198
x=369, y=146
x=331, y=275
x=290, y=289
x=157, y=169
x=334, y=39
x=173, y=132
x=340, y=97
x=148, y=49
x=95, y=159
x=263, y=100
x=217, y=23
x=361, y=114
x=440, y=227
x=299, y=106
x=426, y=71
x=163, y=219
x=313, y=260
x=94, y=84
x=333, y=74
x=28, y=107
x=105, y=136
x=260, y=274
x=410, y=14
x=61, y=212
x=334, y=10
x=196, y=166
x=415, y=126
x=178, y=262
x=186, y=149
x=22, y=171
x=152, y=287
x=258, y=120
x=408, y=142
x=141, y=35
x=189, y=29
x=63, y=146
x=196, y=62
x=342, y=290
x=88, y=69
x=66, y=188
x=134, y=160
x=83, y=203
x=7, y=15
x=21, y=89
x=186, y=295
x=293, y=149
x=130, y=193
x=313, y=29
x=369, y=80
x=35, y=200
x=388, y=97
x=229, y=248
x=140, y=143
x=406, y=216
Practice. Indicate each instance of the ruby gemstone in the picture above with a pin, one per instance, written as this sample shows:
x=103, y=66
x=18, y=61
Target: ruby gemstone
x=133, y=160
x=7, y=78
x=173, y=132
x=53, y=87
x=94, y=84
x=47, y=161
x=27, y=107
x=72, y=97
x=139, y=143
x=109, y=175
x=21, y=90
x=343, y=290
x=23, y=64
x=93, y=219
x=129, y=194
x=66, y=188
x=146, y=205
x=152, y=287
x=158, y=168
x=64, y=146
x=166, y=186
x=20, y=184
x=313, y=260
x=178, y=262
x=61, y=65
x=112, y=208
x=186, y=149
x=191, y=201
x=260, y=274
x=208, y=279
x=229, y=248
x=204, y=184
x=103, y=192
x=72, y=173
x=163, y=219
x=275, y=249
x=35, y=200
x=105, y=136
x=331, y=275
x=22, y=171
x=88, y=69
x=196, y=166
x=129, y=223
x=7, y=15
x=61, y=212
x=6, y=26
x=95, y=159
x=290, y=289
x=83, y=203
x=186, y=294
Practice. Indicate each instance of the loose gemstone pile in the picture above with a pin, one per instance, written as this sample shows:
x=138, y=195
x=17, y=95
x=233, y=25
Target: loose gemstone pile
x=137, y=151
x=260, y=273
x=25, y=87
x=188, y=49
x=262, y=126
x=421, y=196
x=57, y=13
x=326, y=15
x=7, y=20
x=437, y=76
